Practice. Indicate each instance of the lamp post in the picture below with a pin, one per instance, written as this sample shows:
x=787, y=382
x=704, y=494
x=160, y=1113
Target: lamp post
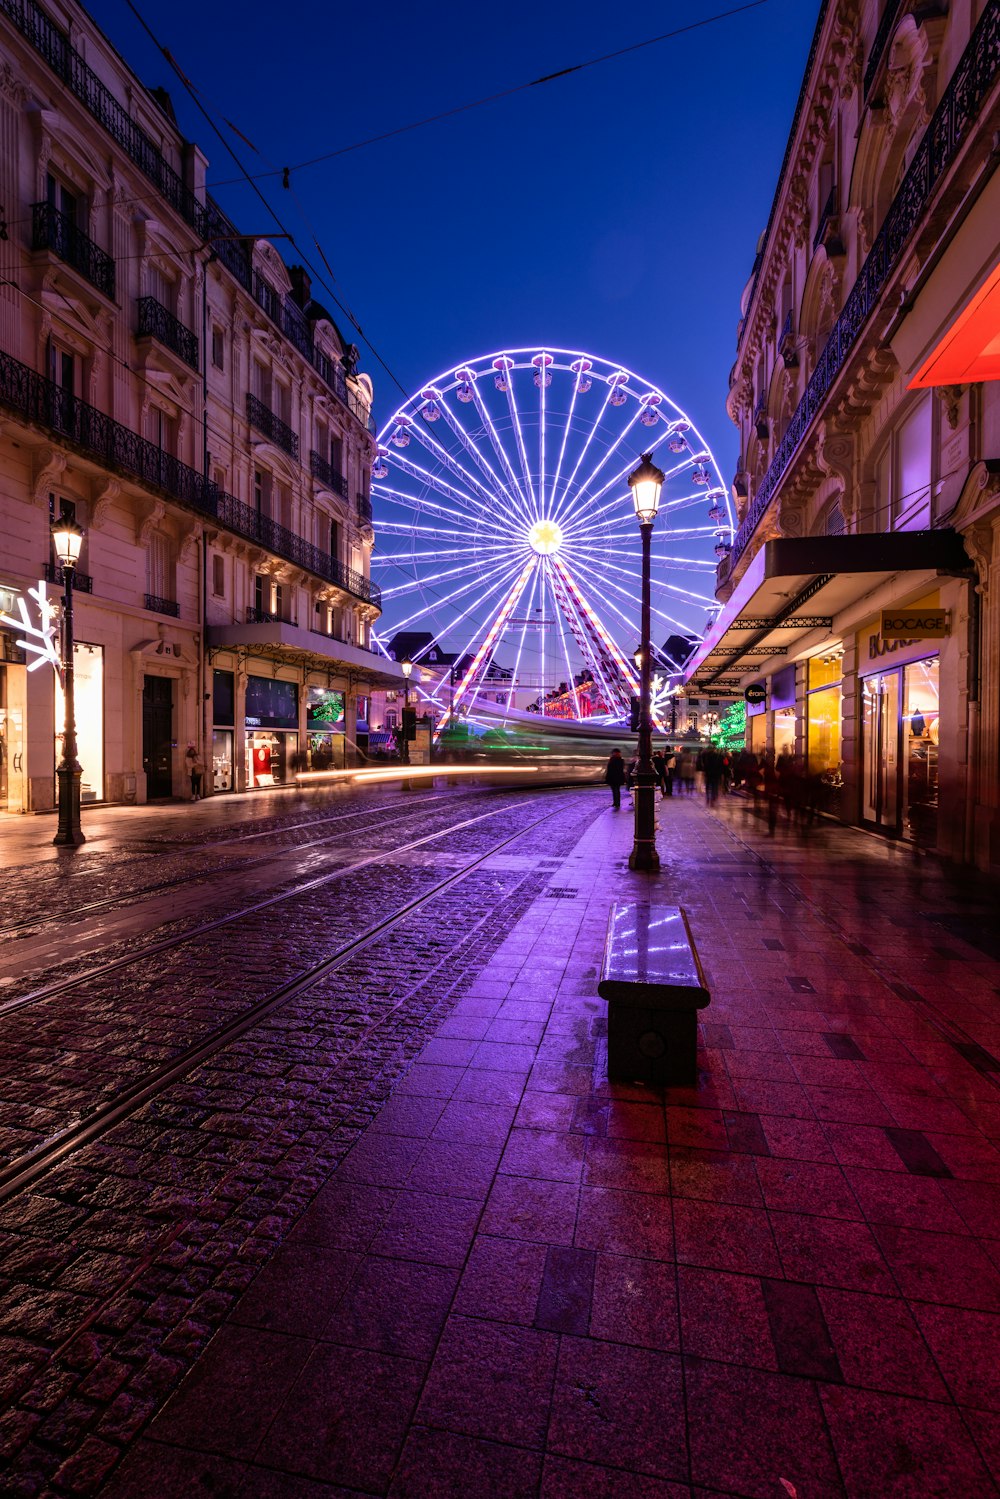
x=67, y=538
x=645, y=483
x=406, y=667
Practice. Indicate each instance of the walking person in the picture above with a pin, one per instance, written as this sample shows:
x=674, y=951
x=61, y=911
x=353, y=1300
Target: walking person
x=686, y=771
x=614, y=775
x=195, y=767
x=662, y=777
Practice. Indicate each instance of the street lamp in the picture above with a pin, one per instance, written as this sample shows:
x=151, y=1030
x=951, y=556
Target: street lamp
x=406, y=667
x=67, y=538
x=645, y=483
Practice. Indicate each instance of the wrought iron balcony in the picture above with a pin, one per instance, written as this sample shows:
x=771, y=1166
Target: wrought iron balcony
x=950, y=125
x=267, y=298
x=257, y=616
x=82, y=582
x=156, y=322
x=55, y=231
x=117, y=448
x=157, y=605
x=272, y=427
x=207, y=219
x=885, y=27
x=364, y=508
x=327, y=475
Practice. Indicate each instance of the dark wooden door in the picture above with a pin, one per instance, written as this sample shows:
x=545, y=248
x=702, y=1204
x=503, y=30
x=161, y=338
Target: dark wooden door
x=157, y=735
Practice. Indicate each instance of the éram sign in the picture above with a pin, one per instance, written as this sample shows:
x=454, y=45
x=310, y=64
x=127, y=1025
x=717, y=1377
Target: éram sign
x=914, y=624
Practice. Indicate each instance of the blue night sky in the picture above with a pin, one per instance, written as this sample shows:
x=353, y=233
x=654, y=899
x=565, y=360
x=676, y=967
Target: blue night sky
x=615, y=211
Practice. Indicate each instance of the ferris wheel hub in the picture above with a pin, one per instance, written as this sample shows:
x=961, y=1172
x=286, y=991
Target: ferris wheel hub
x=545, y=537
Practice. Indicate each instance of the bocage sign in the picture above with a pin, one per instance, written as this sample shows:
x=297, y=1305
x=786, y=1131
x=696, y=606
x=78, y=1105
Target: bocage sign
x=913, y=624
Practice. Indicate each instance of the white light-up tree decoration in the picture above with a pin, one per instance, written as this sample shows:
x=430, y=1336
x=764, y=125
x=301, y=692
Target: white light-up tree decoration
x=41, y=640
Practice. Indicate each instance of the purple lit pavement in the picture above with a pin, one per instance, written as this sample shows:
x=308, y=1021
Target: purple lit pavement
x=521, y=1281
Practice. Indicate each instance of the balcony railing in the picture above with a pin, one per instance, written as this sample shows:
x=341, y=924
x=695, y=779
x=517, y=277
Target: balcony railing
x=327, y=475
x=116, y=447
x=156, y=605
x=266, y=297
x=82, y=582
x=951, y=123
x=273, y=428
x=364, y=508
x=55, y=231
x=826, y=233
x=155, y=321
x=257, y=616
x=207, y=219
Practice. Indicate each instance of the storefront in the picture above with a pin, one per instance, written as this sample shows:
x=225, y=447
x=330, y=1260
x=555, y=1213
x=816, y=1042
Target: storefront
x=782, y=706
x=223, y=730
x=900, y=732
x=325, y=729
x=88, y=680
x=271, y=731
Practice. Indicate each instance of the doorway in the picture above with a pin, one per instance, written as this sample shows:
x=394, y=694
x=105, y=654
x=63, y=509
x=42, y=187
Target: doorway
x=157, y=736
x=900, y=751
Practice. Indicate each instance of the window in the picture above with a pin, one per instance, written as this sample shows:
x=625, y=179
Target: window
x=337, y=454
x=160, y=566
x=911, y=509
x=161, y=429
x=219, y=576
x=261, y=382
x=62, y=509
x=335, y=540
x=279, y=600
x=262, y=491
x=65, y=201
x=161, y=287
x=262, y=593
x=218, y=348
x=282, y=398
x=63, y=368
x=281, y=504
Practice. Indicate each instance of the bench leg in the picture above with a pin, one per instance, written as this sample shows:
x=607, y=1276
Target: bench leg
x=656, y=1047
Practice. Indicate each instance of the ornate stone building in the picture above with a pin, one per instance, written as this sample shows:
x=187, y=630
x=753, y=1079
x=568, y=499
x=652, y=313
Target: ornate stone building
x=172, y=384
x=859, y=596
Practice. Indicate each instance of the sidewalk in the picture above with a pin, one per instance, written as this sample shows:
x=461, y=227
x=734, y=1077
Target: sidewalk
x=522, y=1281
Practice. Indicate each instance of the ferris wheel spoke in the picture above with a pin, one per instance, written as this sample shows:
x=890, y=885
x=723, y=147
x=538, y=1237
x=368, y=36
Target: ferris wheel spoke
x=488, y=646
x=594, y=429
x=520, y=644
x=583, y=494
x=522, y=450
x=518, y=495
x=598, y=581
x=595, y=627
x=482, y=495
x=623, y=572
x=421, y=503
x=469, y=504
x=557, y=615
x=450, y=554
x=498, y=576
x=494, y=482
x=424, y=581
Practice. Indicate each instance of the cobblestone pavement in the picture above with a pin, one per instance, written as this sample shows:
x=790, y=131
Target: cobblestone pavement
x=121, y=1261
x=404, y=1238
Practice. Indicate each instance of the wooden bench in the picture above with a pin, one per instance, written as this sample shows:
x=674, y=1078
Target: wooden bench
x=654, y=986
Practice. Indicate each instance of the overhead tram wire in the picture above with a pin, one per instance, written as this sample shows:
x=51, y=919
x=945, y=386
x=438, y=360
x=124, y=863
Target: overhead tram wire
x=168, y=56
x=518, y=88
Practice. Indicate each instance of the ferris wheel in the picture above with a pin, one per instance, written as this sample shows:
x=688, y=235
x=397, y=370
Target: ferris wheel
x=507, y=535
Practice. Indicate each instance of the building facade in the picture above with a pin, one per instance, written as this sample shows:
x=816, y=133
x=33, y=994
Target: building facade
x=857, y=602
x=175, y=387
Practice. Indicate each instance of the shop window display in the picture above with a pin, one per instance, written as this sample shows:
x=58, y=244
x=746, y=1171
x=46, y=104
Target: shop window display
x=88, y=677
x=921, y=720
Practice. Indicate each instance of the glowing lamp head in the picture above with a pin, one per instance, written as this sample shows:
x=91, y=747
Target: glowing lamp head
x=545, y=537
x=646, y=483
x=67, y=538
x=637, y=657
x=406, y=667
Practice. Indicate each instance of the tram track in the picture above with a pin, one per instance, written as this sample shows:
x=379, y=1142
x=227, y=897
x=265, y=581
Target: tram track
x=192, y=876
x=30, y=1167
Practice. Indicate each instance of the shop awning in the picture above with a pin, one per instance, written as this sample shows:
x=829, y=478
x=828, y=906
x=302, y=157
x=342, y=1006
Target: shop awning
x=798, y=584
x=280, y=640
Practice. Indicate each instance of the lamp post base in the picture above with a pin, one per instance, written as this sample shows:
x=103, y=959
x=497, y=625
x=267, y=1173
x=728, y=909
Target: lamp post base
x=69, y=833
x=644, y=856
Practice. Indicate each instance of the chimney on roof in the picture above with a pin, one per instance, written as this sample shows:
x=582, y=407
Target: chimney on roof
x=301, y=285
